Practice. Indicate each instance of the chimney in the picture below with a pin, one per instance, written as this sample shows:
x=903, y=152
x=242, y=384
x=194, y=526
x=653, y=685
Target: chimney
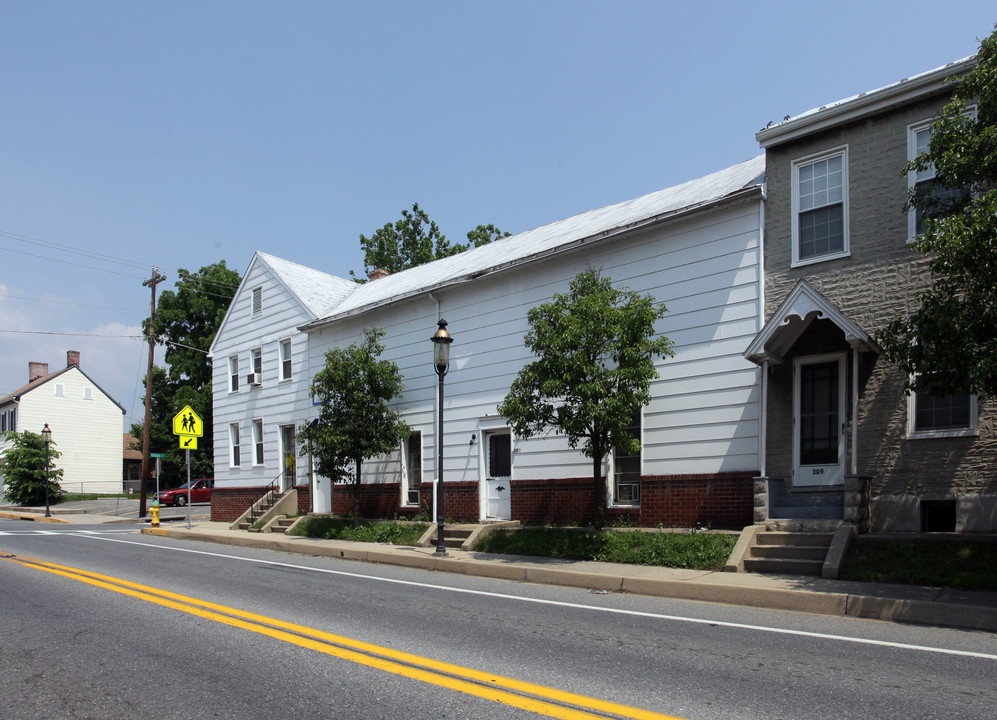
x=72, y=358
x=378, y=273
x=36, y=370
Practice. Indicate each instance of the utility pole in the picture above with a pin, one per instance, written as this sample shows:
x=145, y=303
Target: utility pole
x=157, y=277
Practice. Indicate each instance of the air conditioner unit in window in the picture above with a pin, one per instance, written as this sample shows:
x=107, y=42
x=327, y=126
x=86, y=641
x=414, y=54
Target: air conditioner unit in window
x=252, y=380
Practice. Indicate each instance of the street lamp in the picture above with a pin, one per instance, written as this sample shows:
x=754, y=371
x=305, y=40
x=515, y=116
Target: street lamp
x=441, y=361
x=47, y=438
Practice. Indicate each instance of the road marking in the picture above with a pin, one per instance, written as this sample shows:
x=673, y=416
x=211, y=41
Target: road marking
x=577, y=606
x=66, y=532
x=508, y=691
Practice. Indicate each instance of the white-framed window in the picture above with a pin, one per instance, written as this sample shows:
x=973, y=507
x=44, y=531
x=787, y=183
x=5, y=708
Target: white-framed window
x=88, y=393
x=918, y=137
x=257, y=441
x=233, y=373
x=255, y=378
x=257, y=300
x=235, y=450
x=939, y=416
x=60, y=390
x=412, y=468
x=626, y=469
x=820, y=207
x=285, y=359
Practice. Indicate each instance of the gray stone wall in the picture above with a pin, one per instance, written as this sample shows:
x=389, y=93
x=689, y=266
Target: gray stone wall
x=878, y=281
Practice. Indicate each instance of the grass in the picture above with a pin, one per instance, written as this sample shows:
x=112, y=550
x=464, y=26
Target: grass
x=335, y=528
x=959, y=564
x=699, y=551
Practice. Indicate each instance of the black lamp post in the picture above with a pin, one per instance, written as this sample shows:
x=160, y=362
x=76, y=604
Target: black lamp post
x=441, y=361
x=47, y=438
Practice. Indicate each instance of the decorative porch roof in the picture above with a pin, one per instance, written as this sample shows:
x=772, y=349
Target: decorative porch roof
x=793, y=317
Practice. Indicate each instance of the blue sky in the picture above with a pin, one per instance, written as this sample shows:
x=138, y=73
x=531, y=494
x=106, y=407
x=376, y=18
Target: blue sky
x=178, y=134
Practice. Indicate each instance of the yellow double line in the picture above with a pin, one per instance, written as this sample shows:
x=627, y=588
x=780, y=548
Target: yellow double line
x=516, y=693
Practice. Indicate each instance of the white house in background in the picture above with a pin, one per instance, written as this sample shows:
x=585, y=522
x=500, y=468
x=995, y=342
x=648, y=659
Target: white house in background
x=260, y=376
x=696, y=247
x=84, y=420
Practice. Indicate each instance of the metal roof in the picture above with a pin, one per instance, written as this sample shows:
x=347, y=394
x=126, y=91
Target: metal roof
x=543, y=241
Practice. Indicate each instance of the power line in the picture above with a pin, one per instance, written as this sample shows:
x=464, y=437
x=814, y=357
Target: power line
x=66, y=302
x=74, y=334
x=70, y=249
x=67, y=262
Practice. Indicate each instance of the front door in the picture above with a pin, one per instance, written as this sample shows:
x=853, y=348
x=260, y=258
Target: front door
x=288, y=458
x=498, y=473
x=819, y=421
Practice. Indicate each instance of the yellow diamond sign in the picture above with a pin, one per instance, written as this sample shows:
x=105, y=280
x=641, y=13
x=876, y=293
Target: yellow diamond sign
x=186, y=422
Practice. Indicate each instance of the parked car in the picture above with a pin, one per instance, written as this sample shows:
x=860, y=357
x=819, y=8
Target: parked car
x=198, y=492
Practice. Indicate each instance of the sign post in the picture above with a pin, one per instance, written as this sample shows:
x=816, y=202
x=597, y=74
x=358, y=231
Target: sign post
x=188, y=428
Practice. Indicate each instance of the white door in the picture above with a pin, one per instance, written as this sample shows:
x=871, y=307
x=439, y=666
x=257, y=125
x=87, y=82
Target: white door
x=819, y=420
x=498, y=473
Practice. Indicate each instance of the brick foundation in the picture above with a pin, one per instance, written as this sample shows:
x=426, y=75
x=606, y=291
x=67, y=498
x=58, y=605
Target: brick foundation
x=384, y=501
x=227, y=504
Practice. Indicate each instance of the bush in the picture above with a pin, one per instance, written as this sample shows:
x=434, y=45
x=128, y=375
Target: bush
x=23, y=467
x=336, y=528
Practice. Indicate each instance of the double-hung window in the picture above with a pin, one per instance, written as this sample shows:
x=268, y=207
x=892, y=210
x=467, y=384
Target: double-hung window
x=256, y=377
x=235, y=450
x=233, y=373
x=257, y=442
x=285, y=359
x=820, y=207
x=923, y=183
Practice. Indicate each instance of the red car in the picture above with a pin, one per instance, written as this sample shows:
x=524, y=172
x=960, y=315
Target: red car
x=200, y=493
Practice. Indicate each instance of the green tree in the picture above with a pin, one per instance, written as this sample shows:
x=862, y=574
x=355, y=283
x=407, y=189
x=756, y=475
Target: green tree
x=355, y=422
x=484, y=234
x=22, y=465
x=415, y=240
x=596, y=349
x=187, y=319
x=950, y=345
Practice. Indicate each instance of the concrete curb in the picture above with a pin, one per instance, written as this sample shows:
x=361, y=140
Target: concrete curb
x=926, y=606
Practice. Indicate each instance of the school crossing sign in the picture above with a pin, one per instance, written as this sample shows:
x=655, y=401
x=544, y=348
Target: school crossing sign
x=188, y=427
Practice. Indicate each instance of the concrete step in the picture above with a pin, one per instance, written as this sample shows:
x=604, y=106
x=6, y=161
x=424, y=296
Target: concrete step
x=790, y=552
x=795, y=538
x=783, y=566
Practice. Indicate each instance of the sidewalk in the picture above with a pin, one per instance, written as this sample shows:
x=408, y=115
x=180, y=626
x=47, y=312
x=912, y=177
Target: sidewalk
x=899, y=603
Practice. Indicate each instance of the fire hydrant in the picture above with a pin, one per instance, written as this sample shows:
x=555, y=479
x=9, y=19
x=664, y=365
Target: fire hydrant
x=154, y=511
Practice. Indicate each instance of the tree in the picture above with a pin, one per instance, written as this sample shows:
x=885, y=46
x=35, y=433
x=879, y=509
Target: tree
x=22, y=465
x=187, y=319
x=484, y=234
x=596, y=347
x=415, y=240
x=354, y=391
x=950, y=346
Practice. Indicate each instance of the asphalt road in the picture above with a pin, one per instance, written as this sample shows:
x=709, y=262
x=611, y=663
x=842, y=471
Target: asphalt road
x=75, y=649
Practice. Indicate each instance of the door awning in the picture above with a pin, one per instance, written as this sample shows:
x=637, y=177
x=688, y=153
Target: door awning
x=793, y=317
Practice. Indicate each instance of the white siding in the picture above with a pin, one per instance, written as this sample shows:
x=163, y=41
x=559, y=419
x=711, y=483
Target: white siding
x=86, y=432
x=276, y=402
x=703, y=416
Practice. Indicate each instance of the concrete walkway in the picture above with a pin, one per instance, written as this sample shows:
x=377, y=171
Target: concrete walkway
x=898, y=603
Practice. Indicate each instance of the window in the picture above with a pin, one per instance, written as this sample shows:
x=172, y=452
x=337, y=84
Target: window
x=413, y=468
x=285, y=359
x=88, y=393
x=820, y=207
x=60, y=390
x=12, y=420
x=256, y=377
x=626, y=470
x=934, y=416
x=257, y=442
x=499, y=454
x=235, y=451
x=923, y=182
x=3, y=422
x=233, y=373
x=257, y=300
